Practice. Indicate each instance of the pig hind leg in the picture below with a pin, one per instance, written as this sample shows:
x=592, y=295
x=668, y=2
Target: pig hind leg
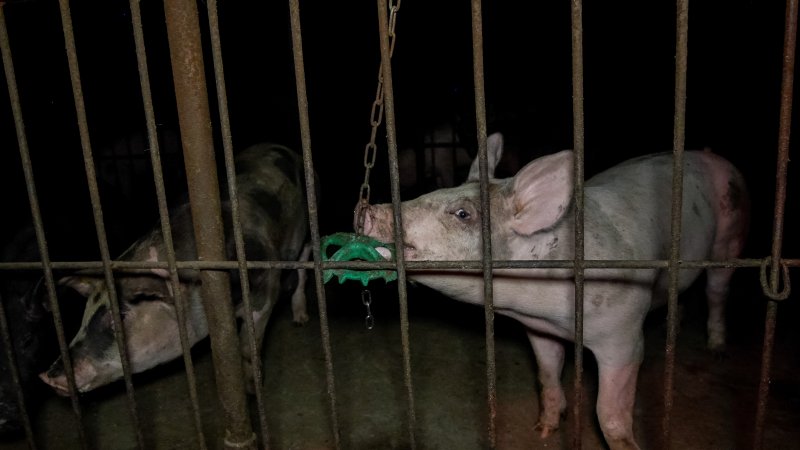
x=270, y=291
x=550, y=360
x=299, y=303
x=728, y=245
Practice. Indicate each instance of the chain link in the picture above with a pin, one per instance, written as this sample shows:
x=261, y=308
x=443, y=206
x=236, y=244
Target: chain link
x=375, y=119
x=366, y=299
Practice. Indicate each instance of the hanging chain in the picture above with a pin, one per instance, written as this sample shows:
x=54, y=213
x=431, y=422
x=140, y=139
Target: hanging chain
x=366, y=299
x=376, y=118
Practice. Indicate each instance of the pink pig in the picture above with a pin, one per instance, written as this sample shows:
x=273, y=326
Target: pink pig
x=627, y=216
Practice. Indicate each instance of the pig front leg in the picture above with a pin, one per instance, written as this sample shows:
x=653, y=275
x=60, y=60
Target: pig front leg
x=550, y=360
x=299, y=311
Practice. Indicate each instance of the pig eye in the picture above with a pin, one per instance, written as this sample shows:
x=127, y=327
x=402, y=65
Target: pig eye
x=462, y=214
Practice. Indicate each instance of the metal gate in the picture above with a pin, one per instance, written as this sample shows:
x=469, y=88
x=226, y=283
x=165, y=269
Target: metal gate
x=195, y=112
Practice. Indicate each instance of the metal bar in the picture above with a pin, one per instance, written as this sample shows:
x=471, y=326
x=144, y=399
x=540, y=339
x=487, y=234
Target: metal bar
x=163, y=211
x=311, y=193
x=134, y=266
x=787, y=87
x=13, y=93
x=238, y=235
x=578, y=149
x=682, y=30
x=94, y=195
x=183, y=32
x=394, y=177
x=486, y=227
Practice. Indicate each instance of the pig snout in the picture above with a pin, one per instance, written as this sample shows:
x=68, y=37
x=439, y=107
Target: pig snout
x=378, y=223
x=56, y=376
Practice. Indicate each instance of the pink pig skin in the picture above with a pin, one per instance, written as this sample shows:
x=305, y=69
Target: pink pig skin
x=627, y=216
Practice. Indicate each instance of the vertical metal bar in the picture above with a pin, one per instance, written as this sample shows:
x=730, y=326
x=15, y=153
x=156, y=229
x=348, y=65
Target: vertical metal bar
x=486, y=227
x=238, y=236
x=311, y=193
x=394, y=176
x=91, y=176
x=682, y=47
x=166, y=228
x=8, y=64
x=183, y=32
x=578, y=148
x=787, y=87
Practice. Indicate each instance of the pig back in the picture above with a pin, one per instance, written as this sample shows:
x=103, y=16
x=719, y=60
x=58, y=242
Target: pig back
x=629, y=206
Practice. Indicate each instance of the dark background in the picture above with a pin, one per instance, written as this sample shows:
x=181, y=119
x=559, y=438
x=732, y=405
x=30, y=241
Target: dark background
x=734, y=74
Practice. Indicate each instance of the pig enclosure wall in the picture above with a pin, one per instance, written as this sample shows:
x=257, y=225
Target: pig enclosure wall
x=732, y=108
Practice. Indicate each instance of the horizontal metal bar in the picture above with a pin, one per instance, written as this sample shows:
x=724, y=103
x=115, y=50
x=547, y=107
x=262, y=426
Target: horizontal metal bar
x=139, y=266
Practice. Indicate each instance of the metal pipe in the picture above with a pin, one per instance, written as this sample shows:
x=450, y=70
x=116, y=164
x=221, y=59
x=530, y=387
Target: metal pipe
x=183, y=32
x=679, y=130
x=311, y=195
x=236, y=223
x=578, y=149
x=394, y=177
x=486, y=227
x=166, y=228
x=787, y=87
x=94, y=196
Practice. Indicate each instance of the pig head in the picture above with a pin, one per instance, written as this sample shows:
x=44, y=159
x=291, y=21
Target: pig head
x=626, y=217
x=273, y=219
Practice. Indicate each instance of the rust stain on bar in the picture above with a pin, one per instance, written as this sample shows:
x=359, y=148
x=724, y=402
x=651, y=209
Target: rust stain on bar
x=163, y=211
x=578, y=144
x=183, y=31
x=394, y=176
x=681, y=52
x=311, y=193
x=787, y=87
x=486, y=230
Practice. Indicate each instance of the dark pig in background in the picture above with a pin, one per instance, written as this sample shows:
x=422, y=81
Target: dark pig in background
x=29, y=326
x=270, y=185
x=626, y=217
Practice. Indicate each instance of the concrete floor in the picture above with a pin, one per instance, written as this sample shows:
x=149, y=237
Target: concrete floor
x=714, y=400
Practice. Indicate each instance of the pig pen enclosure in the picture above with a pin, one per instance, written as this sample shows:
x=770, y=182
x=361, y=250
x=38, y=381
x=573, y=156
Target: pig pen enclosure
x=115, y=108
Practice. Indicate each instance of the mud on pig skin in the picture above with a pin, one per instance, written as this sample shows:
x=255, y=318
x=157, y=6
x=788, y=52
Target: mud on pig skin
x=270, y=184
x=626, y=217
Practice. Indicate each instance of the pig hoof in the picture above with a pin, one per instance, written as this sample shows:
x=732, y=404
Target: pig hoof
x=300, y=319
x=545, y=430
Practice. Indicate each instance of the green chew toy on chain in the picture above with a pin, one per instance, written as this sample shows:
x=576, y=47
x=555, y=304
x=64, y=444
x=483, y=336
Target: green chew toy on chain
x=354, y=247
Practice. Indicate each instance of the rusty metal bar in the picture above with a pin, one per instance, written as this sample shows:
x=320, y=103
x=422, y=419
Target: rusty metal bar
x=486, y=227
x=311, y=193
x=578, y=149
x=787, y=87
x=394, y=177
x=163, y=211
x=679, y=130
x=133, y=266
x=8, y=64
x=238, y=236
x=94, y=195
x=183, y=32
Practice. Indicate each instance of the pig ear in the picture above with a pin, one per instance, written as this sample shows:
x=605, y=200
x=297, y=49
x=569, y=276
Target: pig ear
x=542, y=193
x=83, y=284
x=494, y=151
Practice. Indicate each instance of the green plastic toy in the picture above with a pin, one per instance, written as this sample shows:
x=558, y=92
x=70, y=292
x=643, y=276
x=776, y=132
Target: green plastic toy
x=353, y=247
